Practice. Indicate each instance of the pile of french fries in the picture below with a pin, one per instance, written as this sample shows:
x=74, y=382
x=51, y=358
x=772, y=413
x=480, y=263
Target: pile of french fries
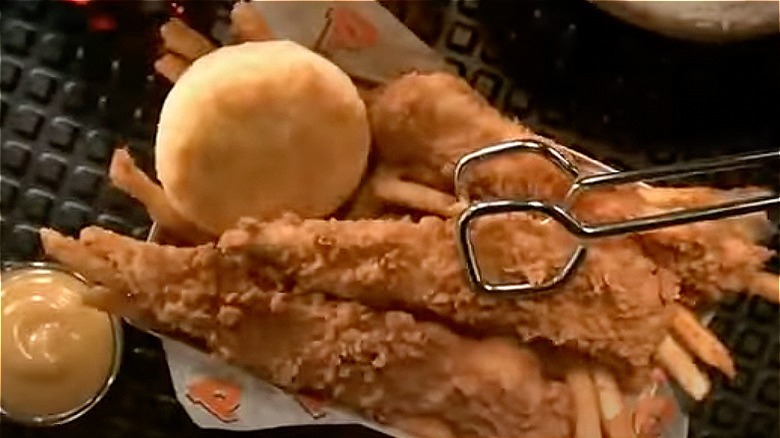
x=183, y=45
x=600, y=406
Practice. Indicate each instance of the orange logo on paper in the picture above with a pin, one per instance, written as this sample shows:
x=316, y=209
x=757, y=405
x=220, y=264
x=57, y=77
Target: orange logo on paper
x=220, y=397
x=347, y=29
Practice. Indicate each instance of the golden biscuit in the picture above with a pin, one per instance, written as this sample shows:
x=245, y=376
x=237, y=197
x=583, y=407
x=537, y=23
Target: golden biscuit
x=258, y=129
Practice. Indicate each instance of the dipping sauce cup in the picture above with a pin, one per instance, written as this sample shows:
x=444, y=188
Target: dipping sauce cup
x=58, y=357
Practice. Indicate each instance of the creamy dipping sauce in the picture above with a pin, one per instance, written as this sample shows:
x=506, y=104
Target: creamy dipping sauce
x=57, y=355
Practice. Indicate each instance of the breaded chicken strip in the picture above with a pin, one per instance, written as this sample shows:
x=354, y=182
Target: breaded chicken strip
x=613, y=310
x=424, y=123
x=416, y=375
x=711, y=257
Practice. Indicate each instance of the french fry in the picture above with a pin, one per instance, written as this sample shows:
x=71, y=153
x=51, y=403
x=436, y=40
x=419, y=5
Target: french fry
x=364, y=203
x=615, y=417
x=393, y=190
x=766, y=285
x=184, y=41
x=126, y=176
x=247, y=24
x=673, y=357
x=171, y=66
x=701, y=341
x=586, y=402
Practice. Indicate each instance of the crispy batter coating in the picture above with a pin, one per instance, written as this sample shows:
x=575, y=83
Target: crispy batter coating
x=613, y=309
x=424, y=123
x=386, y=364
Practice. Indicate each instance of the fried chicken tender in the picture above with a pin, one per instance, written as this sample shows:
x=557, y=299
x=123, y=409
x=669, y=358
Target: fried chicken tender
x=424, y=123
x=387, y=365
x=710, y=257
x=613, y=309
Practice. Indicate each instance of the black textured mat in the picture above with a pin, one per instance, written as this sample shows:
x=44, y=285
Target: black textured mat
x=626, y=96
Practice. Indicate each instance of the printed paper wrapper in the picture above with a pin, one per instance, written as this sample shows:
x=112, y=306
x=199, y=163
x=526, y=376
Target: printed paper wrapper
x=361, y=37
x=262, y=405
x=374, y=48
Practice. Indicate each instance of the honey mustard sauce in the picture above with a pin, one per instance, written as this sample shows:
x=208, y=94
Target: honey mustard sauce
x=56, y=354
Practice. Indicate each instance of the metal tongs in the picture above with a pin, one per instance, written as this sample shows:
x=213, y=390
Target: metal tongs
x=561, y=212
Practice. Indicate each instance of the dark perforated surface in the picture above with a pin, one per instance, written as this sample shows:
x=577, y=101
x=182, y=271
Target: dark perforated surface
x=63, y=113
x=68, y=97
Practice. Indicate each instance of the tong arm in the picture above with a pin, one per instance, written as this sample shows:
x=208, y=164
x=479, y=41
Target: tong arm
x=562, y=215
